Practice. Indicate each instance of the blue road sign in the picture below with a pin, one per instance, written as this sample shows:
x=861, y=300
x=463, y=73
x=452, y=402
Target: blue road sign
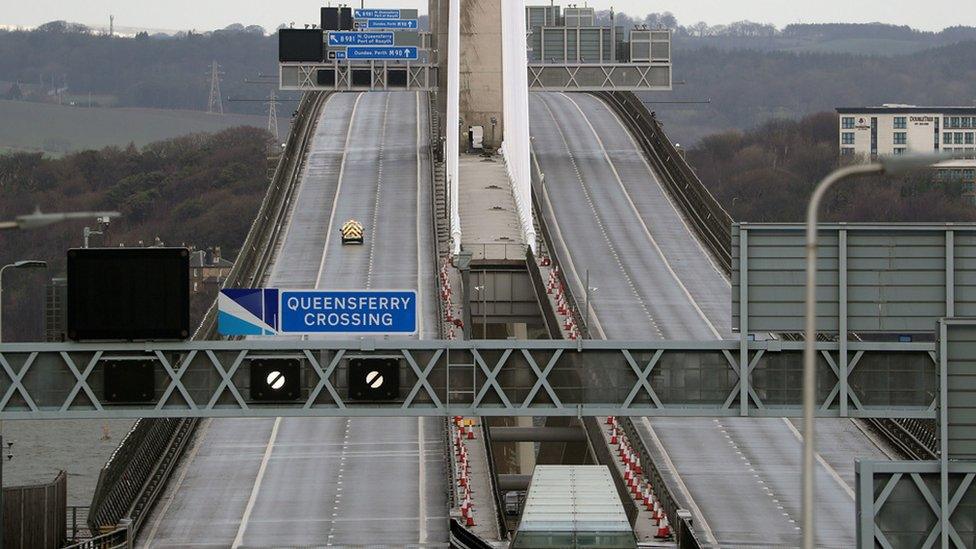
x=408, y=53
x=406, y=24
x=376, y=14
x=337, y=38
x=360, y=312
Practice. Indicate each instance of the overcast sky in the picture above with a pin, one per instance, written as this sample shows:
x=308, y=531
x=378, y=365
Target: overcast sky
x=211, y=14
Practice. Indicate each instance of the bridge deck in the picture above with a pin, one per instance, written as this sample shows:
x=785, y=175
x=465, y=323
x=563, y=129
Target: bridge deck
x=653, y=280
x=303, y=481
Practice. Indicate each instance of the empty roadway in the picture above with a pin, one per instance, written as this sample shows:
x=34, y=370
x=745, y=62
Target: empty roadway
x=318, y=481
x=650, y=278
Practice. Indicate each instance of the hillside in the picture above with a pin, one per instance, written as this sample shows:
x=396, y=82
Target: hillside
x=748, y=87
x=200, y=190
x=146, y=71
x=61, y=129
x=751, y=72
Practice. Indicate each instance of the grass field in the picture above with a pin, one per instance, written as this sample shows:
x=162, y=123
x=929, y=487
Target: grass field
x=59, y=129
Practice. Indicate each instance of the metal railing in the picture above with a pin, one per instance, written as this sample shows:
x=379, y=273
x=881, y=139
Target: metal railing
x=496, y=251
x=917, y=439
x=120, y=538
x=76, y=523
x=134, y=476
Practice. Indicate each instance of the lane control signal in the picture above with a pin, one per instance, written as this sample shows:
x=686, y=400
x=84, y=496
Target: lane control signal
x=374, y=379
x=276, y=380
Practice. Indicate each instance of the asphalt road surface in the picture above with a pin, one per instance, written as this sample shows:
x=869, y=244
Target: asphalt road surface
x=651, y=278
x=332, y=481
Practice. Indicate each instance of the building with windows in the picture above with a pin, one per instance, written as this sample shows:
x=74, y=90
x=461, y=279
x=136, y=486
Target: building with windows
x=208, y=270
x=890, y=129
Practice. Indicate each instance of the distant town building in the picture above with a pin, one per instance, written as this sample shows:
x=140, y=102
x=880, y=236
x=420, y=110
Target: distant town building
x=898, y=129
x=208, y=269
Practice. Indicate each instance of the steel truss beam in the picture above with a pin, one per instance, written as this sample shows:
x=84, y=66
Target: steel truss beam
x=898, y=504
x=304, y=76
x=592, y=77
x=485, y=378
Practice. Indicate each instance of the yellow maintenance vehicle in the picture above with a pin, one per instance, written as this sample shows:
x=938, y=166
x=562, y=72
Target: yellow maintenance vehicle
x=352, y=232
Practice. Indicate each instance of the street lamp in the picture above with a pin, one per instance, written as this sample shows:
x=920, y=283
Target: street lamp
x=586, y=301
x=891, y=165
x=27, y=264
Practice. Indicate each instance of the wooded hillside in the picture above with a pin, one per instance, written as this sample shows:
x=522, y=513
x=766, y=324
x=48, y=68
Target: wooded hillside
x=201, y=190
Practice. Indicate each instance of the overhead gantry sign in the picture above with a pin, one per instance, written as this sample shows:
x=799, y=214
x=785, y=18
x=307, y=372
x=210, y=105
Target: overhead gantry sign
x=447, y=378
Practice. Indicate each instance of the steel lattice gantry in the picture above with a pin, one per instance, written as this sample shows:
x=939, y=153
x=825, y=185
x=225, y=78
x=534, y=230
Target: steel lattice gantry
x=486, y=378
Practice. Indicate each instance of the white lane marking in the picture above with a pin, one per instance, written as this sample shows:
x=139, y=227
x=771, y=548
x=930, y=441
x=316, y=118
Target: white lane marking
x=379, y=192
x=422, y=478
x=647, y=231
x=833, y=472
x=667, y=195
x=335, y=199
x=681, y=483
x=602, y=227
x=291, y=216
x=420, y=300
x=239, y=539
x=179, y=482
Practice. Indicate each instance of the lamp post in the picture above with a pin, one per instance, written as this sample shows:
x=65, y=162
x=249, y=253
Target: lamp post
x=27, y=264
x=587, y=291
x=891, y=165
x=483, y=293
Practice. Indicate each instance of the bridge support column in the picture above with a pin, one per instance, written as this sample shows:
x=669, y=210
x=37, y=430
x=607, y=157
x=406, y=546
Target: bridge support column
x=481, y=70
x=526, y=450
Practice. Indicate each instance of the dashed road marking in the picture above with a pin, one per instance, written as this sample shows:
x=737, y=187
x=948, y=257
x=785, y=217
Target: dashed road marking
x=379, y=189
x=830, y=470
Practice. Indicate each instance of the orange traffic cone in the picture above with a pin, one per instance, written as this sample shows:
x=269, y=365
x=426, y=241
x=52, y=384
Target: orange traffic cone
x=663, y=529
